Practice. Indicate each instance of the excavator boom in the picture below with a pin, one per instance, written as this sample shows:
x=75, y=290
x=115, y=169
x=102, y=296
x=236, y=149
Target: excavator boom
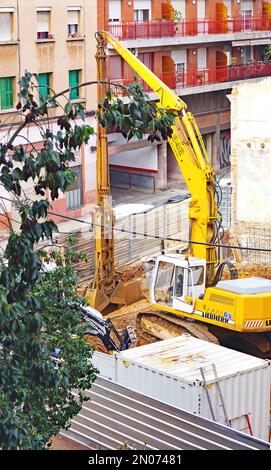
x=190, y=152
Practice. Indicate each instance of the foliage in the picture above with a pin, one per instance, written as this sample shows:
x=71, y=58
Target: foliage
x=177, y=16
x=267, y=53
x=136, y=118
x=42, y=353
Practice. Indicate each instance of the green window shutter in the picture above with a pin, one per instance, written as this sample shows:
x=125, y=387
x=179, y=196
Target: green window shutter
x=73, y=82
x=6, y=93
x=44, y=83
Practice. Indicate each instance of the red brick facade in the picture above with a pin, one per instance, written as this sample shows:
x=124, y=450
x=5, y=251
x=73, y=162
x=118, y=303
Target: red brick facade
x=219, y=55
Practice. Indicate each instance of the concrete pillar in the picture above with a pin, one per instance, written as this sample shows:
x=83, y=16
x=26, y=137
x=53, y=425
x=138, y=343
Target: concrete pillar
x=162, y=166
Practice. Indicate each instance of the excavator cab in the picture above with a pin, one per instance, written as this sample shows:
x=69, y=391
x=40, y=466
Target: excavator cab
x=178, y=280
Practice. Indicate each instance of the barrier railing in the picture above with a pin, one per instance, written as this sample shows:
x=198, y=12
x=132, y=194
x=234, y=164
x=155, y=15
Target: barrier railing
x=162, y=28
x=131, y=173
x=205, y=76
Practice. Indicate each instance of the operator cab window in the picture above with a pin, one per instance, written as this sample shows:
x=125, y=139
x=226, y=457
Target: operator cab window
x=163, y=288
x=198, y=276
x=179, y=278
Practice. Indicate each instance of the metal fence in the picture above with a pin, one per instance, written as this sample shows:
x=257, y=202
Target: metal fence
x=135, y=235
x=225, y=206
x=201, y=77
x=161, y=28
x=259, y=238
x=116, y=417
x=143, y=234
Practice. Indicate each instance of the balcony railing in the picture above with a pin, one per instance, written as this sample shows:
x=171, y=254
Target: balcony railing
x=206, y=76
x=160, y=29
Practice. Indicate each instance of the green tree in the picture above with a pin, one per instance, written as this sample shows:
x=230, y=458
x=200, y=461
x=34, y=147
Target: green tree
x=42, y=352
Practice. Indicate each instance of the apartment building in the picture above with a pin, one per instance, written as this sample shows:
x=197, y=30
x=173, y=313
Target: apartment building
x=55, y=39
x=200, y=48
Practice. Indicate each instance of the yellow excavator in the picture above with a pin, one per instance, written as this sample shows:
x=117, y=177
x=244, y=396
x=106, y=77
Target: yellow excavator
x=186, y=289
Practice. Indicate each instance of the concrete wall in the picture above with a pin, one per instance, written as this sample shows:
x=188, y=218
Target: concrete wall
x=251, y=160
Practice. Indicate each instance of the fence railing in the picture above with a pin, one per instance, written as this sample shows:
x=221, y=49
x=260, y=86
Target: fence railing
x=135, y=235
x=203, y=77
x=132, y=178
x=162, y=28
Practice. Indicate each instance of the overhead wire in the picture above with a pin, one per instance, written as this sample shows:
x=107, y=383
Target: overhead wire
x=149, y=235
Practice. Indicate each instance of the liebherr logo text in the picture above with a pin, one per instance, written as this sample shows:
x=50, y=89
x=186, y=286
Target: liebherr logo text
x=211, y=316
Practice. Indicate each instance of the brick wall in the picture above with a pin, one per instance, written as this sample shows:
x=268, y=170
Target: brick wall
x=211, y=58
x=157, y=9
x=103, y=13
x=127, y=11
x=191, y=10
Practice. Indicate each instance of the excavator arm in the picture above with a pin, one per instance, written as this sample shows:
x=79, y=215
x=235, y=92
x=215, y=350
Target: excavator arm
x=190, y=152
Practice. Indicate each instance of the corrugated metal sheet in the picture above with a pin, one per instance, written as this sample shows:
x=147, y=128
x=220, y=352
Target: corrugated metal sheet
x=174, y=371
x=115, y=416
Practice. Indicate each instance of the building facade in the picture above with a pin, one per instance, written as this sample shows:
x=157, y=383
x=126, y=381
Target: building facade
x=54, y=39
x=200, y=48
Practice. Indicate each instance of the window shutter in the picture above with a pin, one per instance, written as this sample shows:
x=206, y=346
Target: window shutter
x=44, y=83
x=73, y=82
x=6, y=93
x=73, y=17
x=5, y=26
x=202, y=58
x=114, y=10
x=43, y=21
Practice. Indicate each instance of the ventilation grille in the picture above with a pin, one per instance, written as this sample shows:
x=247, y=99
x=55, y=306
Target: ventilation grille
x=222, y=300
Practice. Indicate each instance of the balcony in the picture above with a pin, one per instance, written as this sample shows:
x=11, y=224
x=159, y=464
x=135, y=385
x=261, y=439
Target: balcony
x=204, y=27
x=196, y=78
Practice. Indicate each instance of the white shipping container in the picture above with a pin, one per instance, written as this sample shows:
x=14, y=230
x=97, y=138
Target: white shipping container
x=170, y=371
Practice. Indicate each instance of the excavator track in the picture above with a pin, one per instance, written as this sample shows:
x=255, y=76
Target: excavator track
x=158, y=324
x=165, y=326
x=151, y=325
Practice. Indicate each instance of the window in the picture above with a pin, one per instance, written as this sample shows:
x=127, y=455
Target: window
x=44, y=86
x=74, y=192
x=247, y=19
x=198, y=276
x=141, y=15
x=43, y=24
x=163, y=289
x=73, y=21
x=6, y=93
x=5, y=26
x=114, y=10
x=246, y=55
x=74, y=82
x=142, y=10
x=179, y=74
